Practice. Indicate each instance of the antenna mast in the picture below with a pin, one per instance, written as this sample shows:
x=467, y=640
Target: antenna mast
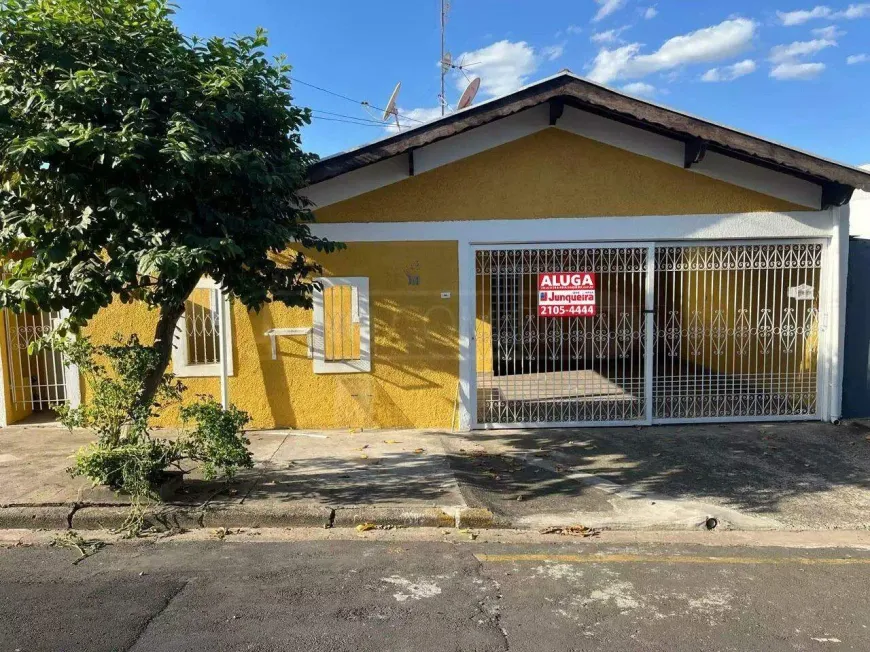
x=445, y=66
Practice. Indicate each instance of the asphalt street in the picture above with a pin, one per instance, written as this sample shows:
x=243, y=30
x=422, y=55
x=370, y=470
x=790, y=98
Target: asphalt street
x=367, y=594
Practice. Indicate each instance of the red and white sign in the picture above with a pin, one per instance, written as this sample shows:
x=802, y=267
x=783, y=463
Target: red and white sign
x=569, y=294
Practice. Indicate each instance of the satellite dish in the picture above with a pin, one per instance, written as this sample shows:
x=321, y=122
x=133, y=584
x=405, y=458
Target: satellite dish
x=447, y=61
x=468, y=94
x=391, y=106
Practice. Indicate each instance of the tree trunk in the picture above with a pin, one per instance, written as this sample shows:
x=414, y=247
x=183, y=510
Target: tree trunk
x=163, y=337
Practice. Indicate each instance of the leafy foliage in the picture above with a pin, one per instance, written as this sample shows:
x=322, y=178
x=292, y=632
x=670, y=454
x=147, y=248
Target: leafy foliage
x=215, y=441
x=125, y=456
x=134, y=161
x=114, y=410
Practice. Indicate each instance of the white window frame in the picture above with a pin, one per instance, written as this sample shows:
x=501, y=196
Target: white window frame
x=180, y=365
x=360, y=289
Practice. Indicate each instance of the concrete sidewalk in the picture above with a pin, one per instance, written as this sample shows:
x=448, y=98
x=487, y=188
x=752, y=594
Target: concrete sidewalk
x=787, y=476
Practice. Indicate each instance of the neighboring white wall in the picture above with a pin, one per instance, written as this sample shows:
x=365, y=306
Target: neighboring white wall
x=859, y=215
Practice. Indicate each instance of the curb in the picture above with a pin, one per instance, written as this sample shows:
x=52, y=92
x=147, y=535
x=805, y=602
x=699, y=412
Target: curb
x=49, y=517
x=166, y=517
x=420, y=517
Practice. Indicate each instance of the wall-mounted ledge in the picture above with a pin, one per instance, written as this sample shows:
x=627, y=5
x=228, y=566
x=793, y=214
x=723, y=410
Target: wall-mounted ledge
x=275, y=333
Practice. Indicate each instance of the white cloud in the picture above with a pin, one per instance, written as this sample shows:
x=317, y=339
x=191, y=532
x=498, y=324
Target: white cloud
x=553, y=52
x=801, y=16
x=610, y=36
x=857, y=58
x=639, y=88
x=855, y=11
x=574, y=29
x=607, y=7
x=729, y=73
x=831, y=32
x=502, y=67
x=413, y=118
x=715, y=43
x=795, y=70
x=650, y=12
x=785, y=53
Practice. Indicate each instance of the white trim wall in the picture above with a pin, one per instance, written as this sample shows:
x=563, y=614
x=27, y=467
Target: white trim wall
x=728, y=226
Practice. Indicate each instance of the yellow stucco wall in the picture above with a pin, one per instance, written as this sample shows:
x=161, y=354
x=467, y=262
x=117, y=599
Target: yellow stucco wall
x=415, y=349
x=11, y=374
x=552, y=173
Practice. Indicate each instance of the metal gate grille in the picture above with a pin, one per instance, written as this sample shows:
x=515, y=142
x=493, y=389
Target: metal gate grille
x=733, y=334
x=36, y=380
x=736, y=330
x=537, y=370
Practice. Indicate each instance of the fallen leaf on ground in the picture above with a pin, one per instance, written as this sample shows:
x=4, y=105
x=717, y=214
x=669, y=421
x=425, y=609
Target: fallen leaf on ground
x=572, y=530
x=364, y=456
x=391, y=441
x=365, y=527
x=419, y=450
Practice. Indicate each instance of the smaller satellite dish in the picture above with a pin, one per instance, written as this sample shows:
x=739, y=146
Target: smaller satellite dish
x=391, y=105
x=468, y=94
x=447, y=61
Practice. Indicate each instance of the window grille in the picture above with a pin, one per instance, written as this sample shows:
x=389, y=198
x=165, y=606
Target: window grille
x=197, y=344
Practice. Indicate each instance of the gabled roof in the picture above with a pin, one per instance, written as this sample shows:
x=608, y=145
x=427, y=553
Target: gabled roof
x=567, y=89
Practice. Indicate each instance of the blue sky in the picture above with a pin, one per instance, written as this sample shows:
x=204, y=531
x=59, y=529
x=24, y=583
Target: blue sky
x=794, y=72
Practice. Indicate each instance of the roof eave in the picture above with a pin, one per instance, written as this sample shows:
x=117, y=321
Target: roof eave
x=585, y=95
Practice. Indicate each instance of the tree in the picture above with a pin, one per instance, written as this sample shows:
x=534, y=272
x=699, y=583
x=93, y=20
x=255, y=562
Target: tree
x=135, y=160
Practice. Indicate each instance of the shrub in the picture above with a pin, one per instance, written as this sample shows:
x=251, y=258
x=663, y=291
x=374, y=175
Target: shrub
x=125, y=456
x=217, y=441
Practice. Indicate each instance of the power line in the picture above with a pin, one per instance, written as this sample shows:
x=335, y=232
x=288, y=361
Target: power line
x=349, y=99
x=349, y=117
x=383, y=125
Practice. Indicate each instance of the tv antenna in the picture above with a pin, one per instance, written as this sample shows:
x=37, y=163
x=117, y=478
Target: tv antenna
x=468, y=94
x=391, y=109
x=446, y=59
x=447, y=64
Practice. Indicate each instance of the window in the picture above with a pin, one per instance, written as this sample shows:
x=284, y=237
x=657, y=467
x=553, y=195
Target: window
x=342, y=337
x=197, y=336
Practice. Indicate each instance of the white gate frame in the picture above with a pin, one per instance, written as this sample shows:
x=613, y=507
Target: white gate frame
x=71, y=380
x=826, y=366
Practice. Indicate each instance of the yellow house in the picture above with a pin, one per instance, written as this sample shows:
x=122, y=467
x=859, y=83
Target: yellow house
x=710, y=264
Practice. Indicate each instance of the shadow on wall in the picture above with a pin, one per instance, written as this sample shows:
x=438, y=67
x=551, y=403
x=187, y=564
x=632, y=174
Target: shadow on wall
x=412, y=382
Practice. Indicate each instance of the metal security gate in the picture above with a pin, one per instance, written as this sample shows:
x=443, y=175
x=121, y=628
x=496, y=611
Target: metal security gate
x=534, y=370
x=737, y=331
x=37, y=381
x=683, y=332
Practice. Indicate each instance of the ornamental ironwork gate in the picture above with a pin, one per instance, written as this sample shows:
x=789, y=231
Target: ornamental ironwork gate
x=36, y=380
x=737, y=331
x=541, y=370
x=682, y=332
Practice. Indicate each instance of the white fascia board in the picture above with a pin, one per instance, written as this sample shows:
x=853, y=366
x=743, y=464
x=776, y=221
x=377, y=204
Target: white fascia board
x=671, y=151
x=358, y=182
x=477, y=140
x=732, y=226
x=443, y=152
x=589, y=125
